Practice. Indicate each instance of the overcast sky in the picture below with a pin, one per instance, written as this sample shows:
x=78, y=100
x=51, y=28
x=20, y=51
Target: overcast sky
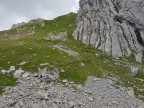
x=16, y=11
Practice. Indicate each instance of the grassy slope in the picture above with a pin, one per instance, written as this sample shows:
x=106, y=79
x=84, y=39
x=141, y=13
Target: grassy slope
x=34, y=49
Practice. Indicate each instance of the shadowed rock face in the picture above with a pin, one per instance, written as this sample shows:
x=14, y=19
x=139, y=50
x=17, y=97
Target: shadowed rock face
x=113, y=26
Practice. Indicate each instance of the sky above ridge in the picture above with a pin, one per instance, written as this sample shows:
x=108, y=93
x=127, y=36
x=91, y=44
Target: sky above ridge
x=16, y=11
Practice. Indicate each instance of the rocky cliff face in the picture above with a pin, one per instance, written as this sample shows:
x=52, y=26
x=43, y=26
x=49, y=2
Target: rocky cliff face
x=113, y=26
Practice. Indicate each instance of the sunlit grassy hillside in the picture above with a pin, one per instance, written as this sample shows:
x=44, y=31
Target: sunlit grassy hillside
x=35, y=50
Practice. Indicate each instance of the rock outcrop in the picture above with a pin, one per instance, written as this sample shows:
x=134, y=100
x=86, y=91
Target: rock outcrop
x=38, y=21
x=113, y=26
x=17, y=25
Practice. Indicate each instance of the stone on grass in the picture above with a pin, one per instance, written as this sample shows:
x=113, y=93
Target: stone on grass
x=134, y=71
x=97, y=55
x=62, y=71
x=44, y=64
x=82, y=65
x=23, y=63
x=3, y=71
x=65, y=81
x=12, y=68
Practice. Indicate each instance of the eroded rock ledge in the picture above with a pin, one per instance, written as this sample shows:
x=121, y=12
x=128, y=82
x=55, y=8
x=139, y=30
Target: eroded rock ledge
x=113, y=26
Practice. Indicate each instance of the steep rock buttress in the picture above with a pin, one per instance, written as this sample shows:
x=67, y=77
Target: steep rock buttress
x=113, y=26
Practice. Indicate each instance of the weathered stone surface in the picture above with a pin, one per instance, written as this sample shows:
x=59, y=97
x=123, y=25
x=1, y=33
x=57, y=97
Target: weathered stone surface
x=3, y=71
x=12, y=68
x=134, y=71
x=66, y=50
x=23, y=63
x=54, y=75
x=96, y=93
x=17, y=25
x=18, y=73
x=25, y=75
x=65, y=81
x=131, y=92
x=56, y=37
x=38, y=21
x=113, y=26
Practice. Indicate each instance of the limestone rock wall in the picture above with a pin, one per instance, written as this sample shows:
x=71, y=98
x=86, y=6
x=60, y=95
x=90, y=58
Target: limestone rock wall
x=113, y=26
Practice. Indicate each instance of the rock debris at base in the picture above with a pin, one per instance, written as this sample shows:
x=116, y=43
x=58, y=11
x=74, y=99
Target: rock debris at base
x=39, y=91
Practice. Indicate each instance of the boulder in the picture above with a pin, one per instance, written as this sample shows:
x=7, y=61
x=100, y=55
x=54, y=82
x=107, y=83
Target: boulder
x=18, y=73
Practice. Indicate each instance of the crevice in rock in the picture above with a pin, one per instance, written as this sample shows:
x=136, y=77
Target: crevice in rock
x=116, y=7
x=132, y=39
x=139, y=37
x=132, y=24
x=118, y=19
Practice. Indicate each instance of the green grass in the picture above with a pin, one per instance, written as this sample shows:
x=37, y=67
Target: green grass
x=34, y=49
x=6, y=80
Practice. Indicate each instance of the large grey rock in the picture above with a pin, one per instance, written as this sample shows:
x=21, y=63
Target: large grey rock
x=113, y=26
x=18, y=73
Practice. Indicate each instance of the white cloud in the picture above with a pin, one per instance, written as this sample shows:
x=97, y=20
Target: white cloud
x=75, y=6
x=16, y=11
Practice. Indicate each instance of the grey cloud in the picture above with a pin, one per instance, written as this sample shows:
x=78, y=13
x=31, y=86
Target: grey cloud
x=15, y=11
